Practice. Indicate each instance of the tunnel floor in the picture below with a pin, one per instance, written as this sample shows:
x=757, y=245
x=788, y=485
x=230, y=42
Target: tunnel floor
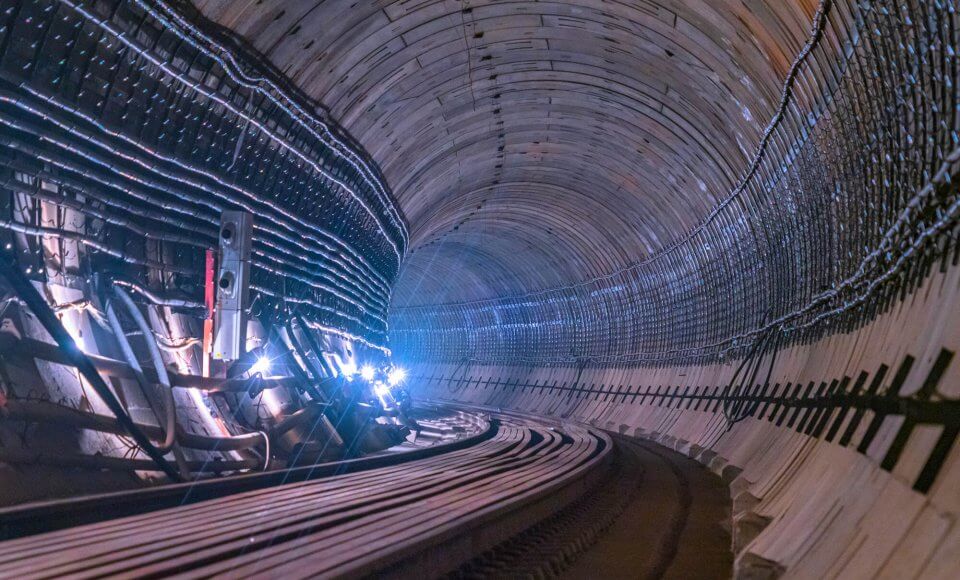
x=659, y=514
x=672, y=528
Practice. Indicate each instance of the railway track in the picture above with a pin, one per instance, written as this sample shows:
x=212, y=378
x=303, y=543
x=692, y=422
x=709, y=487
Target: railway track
x=401, y=518
x=657, y=515
x=451, y=430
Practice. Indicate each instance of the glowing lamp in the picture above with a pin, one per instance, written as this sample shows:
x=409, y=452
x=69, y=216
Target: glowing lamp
x=367, y=372
x=396, y=376
x=262, y=366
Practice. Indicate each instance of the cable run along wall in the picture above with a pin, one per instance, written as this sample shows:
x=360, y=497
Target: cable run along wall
x=151, y=127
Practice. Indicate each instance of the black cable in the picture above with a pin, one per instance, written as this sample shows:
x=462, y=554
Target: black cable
x=773, y=360
x=465, y=368
x=729, y=392
x=38, y=305
x=729, y=404
x=745, y=386
x=576, y=381
x=733, y=414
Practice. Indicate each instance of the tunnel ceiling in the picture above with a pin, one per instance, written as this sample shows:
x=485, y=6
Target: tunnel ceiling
x=534, y=143
x=637, y=182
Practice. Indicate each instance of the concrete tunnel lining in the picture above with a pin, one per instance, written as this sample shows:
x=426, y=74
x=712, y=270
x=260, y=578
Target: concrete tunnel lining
x=726, y=227
x=716, y=152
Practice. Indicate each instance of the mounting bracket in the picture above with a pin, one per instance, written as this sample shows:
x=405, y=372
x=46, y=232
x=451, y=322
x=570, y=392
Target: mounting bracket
x=233, y=284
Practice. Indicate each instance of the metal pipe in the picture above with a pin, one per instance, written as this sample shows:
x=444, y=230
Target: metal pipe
x=38, y=411
x=117, y=463
x=218, y=385
x=294, y=420
x=170, y=410
x=160, y=299
x=25, y=290
x=12, y=345
x=298, y=348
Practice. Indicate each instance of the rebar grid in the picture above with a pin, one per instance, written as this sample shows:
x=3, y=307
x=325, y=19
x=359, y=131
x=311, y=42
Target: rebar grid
x=847, y=206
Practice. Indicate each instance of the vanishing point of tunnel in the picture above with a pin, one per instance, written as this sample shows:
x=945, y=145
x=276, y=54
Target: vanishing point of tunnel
x=480, y=289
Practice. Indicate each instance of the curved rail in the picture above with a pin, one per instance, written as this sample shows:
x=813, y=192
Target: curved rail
x=45, y=516
x=427, y=515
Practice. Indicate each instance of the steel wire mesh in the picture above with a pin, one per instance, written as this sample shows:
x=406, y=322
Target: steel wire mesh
x=849, y=203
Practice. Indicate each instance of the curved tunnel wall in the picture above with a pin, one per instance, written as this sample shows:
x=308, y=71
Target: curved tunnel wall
x=155, y=127
x=644, y=184
x=126, y=128
x=845, y=203
x=841, y=455
x=536, y=143
x=726, y=226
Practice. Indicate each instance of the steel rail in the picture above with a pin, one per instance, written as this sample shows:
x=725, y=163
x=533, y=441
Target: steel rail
x=465, y=496
x=45, y=516
x=289, y=497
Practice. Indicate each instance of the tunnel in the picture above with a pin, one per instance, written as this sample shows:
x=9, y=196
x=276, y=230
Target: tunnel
x=479, y=288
